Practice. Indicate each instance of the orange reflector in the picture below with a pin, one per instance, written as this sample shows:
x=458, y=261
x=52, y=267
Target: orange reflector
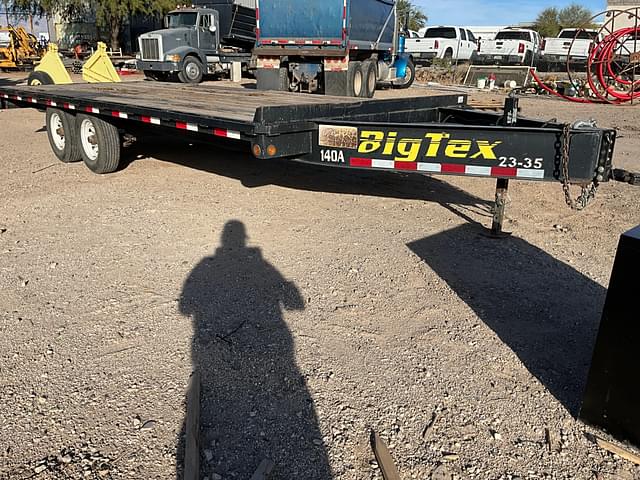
x=272, y=150
x=257, y=151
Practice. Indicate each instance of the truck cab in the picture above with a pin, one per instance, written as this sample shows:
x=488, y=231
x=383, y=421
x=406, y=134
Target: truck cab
x=194, y=42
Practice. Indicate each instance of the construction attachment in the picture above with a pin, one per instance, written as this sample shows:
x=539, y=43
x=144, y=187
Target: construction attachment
x=50, y=70
x=99, y=68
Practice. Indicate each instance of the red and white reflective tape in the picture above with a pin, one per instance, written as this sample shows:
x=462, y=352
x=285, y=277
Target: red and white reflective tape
x=257, y=22
x=302, y=42
x=453, y=168
x=152, y=120
x=344, y=20
x=221, y=132
x=192, y=127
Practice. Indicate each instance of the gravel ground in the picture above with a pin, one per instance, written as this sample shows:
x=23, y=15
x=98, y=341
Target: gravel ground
x=317, y=305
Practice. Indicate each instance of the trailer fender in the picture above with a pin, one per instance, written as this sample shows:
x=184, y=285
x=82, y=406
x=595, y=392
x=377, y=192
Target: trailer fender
x=52, y=66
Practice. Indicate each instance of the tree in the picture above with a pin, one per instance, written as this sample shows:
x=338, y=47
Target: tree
x=551, y=20
x=575, y=16
x=547, y=23
x=410, y=15
x=110, y=14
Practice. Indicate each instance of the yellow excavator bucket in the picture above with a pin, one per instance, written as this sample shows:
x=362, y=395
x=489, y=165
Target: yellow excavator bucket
x=52, y=66
x=99, y=69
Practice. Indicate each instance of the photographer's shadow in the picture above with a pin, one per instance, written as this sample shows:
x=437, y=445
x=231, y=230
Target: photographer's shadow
x=254, y=402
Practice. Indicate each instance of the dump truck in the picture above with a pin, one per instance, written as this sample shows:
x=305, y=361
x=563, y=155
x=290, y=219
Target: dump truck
x=208, y=37
x=335, y=47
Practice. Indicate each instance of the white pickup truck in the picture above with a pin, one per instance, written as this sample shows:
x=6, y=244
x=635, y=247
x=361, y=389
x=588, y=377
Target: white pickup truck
x=447, y=43
x=512, y=46
x=571, y=44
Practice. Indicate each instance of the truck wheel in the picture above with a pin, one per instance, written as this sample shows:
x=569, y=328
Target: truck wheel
x=192, y=71
x=355, y=80
x=62, y=136
x=448, y=56
x=409, y=76
x=370, y=75
x=99, y=143
x=39, y=78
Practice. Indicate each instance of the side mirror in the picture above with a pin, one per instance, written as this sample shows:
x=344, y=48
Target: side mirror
x=212, y=28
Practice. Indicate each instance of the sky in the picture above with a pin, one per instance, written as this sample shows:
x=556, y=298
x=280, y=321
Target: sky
x=493, y=12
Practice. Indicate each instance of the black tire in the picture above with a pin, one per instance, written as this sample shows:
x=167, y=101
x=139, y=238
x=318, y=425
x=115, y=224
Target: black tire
x=192, y=70
x=355, y=80
x=370, y=76
x=448, y=56
x=156, y=76
x=61, y=131
x=39, y=78
x=409, y=77
x=99, y=143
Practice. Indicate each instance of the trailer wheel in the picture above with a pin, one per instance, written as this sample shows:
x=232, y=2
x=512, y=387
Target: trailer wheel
x=355, y=80
x=62, y=136
x=370, y=76
x=99, y=142
x=39, y=78
x=192, y=70
x=409, y=76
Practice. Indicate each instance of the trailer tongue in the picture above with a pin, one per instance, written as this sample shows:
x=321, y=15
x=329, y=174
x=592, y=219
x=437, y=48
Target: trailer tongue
x=427, y=135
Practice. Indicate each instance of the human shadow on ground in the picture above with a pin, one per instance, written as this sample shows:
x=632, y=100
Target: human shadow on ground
x=254, y=401
x=253, y=172
x=543, y=309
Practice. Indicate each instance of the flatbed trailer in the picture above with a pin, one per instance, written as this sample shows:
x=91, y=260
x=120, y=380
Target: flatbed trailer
x=429, y=135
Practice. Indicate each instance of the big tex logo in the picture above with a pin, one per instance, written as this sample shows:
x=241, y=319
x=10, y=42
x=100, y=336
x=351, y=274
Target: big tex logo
x=432, y=145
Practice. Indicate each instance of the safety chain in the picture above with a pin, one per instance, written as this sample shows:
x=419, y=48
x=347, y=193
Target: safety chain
x=588, y=192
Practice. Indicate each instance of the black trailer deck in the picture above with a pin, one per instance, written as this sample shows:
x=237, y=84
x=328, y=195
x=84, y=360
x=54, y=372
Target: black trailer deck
x=427, y=134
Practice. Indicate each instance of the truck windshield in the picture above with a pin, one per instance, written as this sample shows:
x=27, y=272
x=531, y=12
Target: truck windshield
x=184, y=19
x=513, y=36
x=582, y=34
x=440, y=33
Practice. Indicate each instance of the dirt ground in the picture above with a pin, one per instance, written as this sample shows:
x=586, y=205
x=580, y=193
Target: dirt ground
x=318, y=304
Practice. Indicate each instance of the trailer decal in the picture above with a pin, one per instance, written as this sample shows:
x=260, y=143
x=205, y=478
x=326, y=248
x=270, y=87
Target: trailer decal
x=451, y=168
x=408, y=149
